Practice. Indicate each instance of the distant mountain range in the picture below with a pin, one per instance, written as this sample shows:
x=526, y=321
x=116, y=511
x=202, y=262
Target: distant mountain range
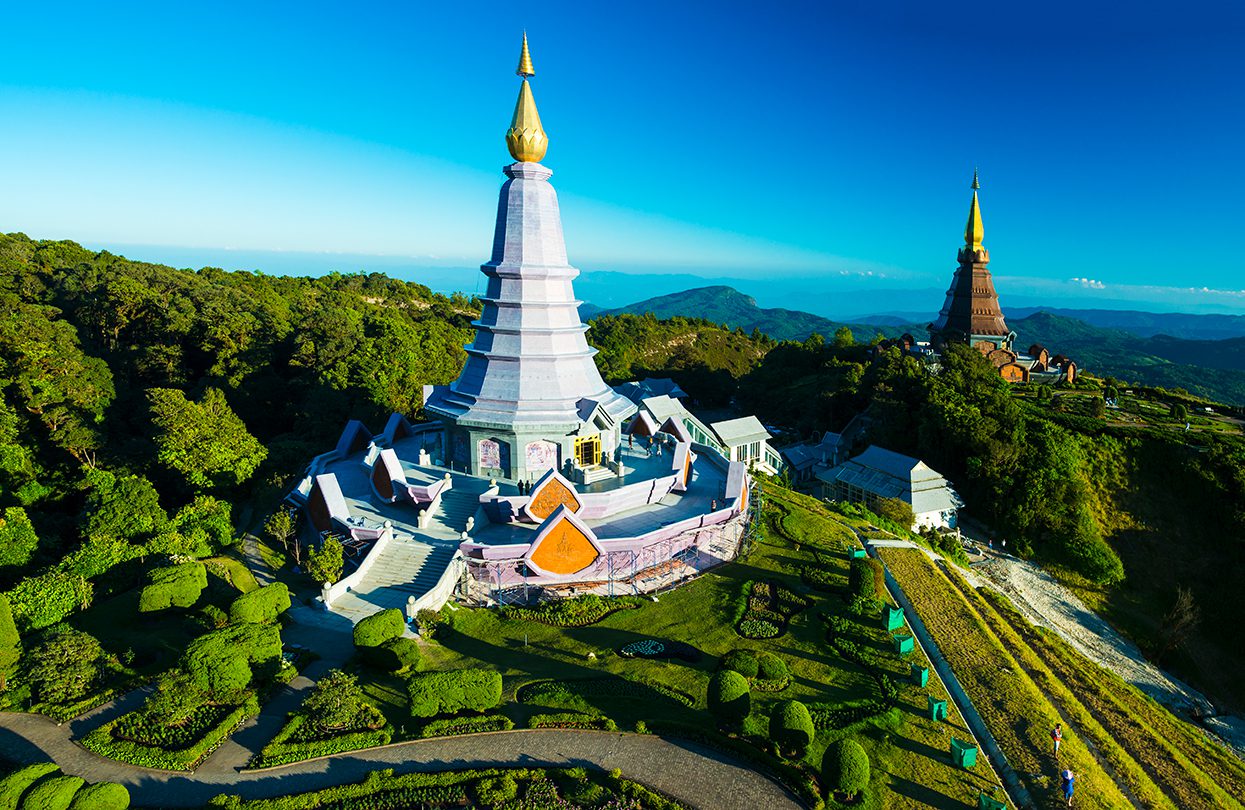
x=1204, y=354
x=727, y=305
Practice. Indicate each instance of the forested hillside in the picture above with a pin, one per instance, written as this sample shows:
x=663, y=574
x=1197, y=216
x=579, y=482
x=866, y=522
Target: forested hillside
x=1130, y=513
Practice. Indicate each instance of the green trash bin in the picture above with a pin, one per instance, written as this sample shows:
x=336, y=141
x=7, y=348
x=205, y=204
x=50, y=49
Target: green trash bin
x=904, y=644
x=920, y=675
x=963, y=754
x=937, y=708
x=892, y=618
x=859, y=554
x=985, y=802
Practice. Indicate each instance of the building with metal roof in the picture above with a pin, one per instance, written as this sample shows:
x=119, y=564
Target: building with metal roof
x=879, y=473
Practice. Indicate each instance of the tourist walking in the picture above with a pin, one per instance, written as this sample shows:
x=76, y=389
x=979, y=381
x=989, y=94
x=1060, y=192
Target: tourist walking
x=1069, y=784
x=1056, y=736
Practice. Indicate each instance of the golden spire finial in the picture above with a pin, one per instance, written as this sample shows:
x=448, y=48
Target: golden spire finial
x=525, y=61
x=526, y=139
x=974, y=230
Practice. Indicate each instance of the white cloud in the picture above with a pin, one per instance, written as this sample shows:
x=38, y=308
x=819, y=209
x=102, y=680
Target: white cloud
x=1090, y=283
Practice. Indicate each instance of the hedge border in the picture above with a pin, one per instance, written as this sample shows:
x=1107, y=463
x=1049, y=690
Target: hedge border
x=101, y=742
x=279, y=752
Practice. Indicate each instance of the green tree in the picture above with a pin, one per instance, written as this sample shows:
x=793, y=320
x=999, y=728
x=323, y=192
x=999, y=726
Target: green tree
x=335, y=702
x=845, y=767
x=844, y=338
x=281, y=526
x=325, y=563
x=1180, y=412
x=204, y=441
x=173, y=586
x=125, y=507
x=18, y=540
x=897, y=511
x=1112, y=393
x=43, y=600
x=175, y=699
x=10, y=644
x=205, y=526
x=1097, y=407
x=791, y=726
x=729, y=699
x=64, y=664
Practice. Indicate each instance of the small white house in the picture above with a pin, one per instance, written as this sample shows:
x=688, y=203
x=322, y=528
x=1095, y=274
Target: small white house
x=879, y=473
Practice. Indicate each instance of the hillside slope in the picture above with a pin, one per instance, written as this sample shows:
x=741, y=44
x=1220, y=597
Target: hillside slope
x=1214, y=369
x=1187, y=326
x=728, y=306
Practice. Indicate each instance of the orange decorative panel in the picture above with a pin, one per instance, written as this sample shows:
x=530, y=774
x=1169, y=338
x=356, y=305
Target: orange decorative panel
x=549, y=497
x=564, y=550
x=687, y=469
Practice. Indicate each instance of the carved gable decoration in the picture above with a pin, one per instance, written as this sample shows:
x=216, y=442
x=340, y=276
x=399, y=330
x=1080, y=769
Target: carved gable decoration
x=550, y=492
x=563, y=546
x=643, y=425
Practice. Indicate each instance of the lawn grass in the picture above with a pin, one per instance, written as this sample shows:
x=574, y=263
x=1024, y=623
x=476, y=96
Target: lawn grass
x=910, y=751
x=1012, y=706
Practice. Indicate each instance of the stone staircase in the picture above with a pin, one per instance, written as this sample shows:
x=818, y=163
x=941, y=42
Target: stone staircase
x=407, y=567
x=457, y=504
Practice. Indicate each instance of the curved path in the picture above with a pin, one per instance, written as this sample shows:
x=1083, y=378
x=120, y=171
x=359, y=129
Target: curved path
x=698, y=776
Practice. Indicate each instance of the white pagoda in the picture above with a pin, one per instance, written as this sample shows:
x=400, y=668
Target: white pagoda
x=530, y=397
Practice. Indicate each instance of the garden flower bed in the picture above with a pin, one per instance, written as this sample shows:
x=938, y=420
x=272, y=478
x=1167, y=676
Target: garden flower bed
x=659, y=648
x=132, y=738
x=454, y=726
x=765, y=608
x=300, y=739
x=577, y=612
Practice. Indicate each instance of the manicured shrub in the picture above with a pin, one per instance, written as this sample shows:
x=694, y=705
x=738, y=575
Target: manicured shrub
x=131, y=738
x=64, y=665
x=103, y=796
x=594, y=722
x=396, y=654
x=496, y=791
x=771, y=668
x=15, y=784
x=436, y=693
x=845, y=767
x=729, y=700
x=173, y=586
x=791, y=725
x=53, y=793
x=262, y=605
x=578, y=611
x=223, y=662
x=759, y=628
x=10, y=644
x=378, y=628
x=301, y=739
x=742, y=661
x=571, y=692
x=451, y=726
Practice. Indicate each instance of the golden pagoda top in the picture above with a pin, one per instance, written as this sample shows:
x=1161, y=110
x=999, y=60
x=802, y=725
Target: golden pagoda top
x=974, y=230
x=526, y=138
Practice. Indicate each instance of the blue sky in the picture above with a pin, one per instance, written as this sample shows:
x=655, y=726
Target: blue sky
x=828, y=145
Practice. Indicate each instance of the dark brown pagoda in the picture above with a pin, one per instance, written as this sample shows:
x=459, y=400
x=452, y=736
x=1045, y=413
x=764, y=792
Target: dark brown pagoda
x=971, y=312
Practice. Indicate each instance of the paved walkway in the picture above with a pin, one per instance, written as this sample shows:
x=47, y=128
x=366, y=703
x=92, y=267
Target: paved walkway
x=698, y=776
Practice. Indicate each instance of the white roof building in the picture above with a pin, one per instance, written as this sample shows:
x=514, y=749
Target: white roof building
x=880, y=473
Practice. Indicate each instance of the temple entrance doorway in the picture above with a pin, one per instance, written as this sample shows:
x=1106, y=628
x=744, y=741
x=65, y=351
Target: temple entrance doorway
x=588, y=451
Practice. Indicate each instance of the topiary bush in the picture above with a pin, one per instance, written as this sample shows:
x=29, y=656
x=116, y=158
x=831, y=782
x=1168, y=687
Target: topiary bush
x=728, y=697
x=173, y=586
x=53, y=793
x=14, y=785
x=457, y=690
x=845, y=768
x=104, y=796
x=261, y=605
x=742, y=661
x=378, y=628
x=791, y=726
x=224, y=662
x=771, y=668
x=396, y=654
